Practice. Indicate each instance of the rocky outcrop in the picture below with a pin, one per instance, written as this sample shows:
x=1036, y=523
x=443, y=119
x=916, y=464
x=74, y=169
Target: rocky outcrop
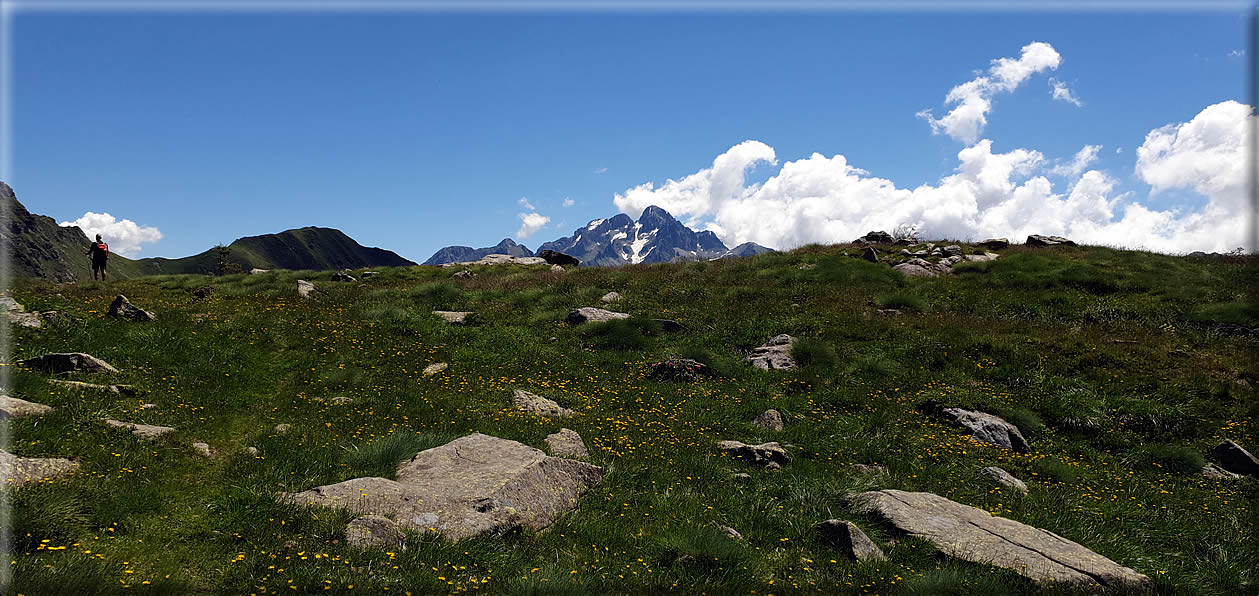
x=477, y=485
x=588, y=314
x=875, y=238
x=124, y=309
x=775, y=354
x=769, y=420
x=556, y=257
x=1038, y=240
x=17, y=314
x=990, y=429
x=536, y=404
x=567, y=443
x=16, y=471
x=994, y=244
x=12, y=407
x=70, y=362
x=849, y=539
x=765, y=454
x=1236, y=459
x=973, y=534
x=1004, y=478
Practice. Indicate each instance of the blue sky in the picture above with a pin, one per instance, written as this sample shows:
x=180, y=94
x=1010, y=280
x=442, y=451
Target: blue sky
x=414, y=131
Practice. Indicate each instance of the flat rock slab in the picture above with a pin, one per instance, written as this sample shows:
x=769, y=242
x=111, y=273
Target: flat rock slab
x=973, y=534
x=126, y=390
x=536, y=404
x=17, y=471
x=61, y=363
x=374, y=530
x=147, y=432
x=567, y=443
x=849, y=539
x=12, y=407
x=764, y=454
x=476, y=485
x=454, y=317
x=990, y=429
x=775, y=354
x=589, y=314
x=1038, y=240
x=1004, y=478
x=124, y=309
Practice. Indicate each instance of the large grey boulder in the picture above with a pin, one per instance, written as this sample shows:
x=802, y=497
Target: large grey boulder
x=148, y=432
x=769, y=420
x=477, y=485
x=875, y=238
x=922, y=268
x=536, y=404
x=62, y=363
x=1236, y=459
x=12, y=407
x=973, y=534
x=16, y=471
x=1038, y=240
x=775, y=354
x=567, y=443
x=849, y=539
x=990, y=429
x=588, y=314
x=1004, y=478
x=124, y=309
x=951, y=250
x=765, y=454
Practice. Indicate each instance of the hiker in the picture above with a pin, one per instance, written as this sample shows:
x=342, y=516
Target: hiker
x=99, y=251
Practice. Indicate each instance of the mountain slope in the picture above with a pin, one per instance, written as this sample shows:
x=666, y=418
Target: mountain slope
x=655, y=238
x=456, y=254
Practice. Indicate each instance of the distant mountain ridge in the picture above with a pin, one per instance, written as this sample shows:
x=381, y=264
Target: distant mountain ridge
x=39, y=247
x=459, y=254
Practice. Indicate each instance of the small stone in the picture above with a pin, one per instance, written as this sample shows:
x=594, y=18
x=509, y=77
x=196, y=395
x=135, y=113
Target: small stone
x=17, y=471
x=465, y=274
x=252, y=451
x=769, y=420
x=148, y=406
x=1214, y=472
x=1038, y=240
x=731, y=532
x=558, y=269
x=257, y=271
x=340, y=400
x=1004, y=478
x=669, y=325
x=742, y=476
x=529, y=402
x=775, y=354
x=867, y=469
x=148, y=432
x=453, y=317
x=765, y=454
x=434, y=368
x=203, y=449
x=849, y=539
x=283, y=427
x=567, y=443
x=952, y=250
x=367, y=274
x=343, y=275
x=870, y=254
x=990, y=429
x=995, y=244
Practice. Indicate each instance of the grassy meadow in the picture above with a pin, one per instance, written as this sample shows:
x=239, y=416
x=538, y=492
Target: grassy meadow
x=1121, y=368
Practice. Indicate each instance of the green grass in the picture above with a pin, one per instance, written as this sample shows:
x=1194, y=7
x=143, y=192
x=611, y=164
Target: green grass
x=1117, y=430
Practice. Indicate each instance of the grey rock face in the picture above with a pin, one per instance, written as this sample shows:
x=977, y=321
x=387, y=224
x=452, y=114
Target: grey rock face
x=849, y=539
x=305, y=289
x=567, y=443
x=454, y=317
x=975, y=535
x=12, y=407
x=17, y=471
x=769, y=420
x=990, y=429
x=1038, y=240
x=529, y=402
x=587, y=314
x=775, y=354
x=124, y=309
x=765, y=454
x=374, y=530
x=147, y=432
x=1236, y=459
x=1004, y=478
x=476, y=485
x=61, y=363
x=922, y=268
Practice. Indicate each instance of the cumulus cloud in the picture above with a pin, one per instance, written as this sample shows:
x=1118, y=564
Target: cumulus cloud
x=568, y=202
x=1083, y=158
x=1063, y=93
x=123, y=236
x=530, y=223
x=990, y=194
x=525, y=204
x=973, y=99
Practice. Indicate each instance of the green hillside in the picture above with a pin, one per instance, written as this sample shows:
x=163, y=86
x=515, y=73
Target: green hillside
x=1122, y=370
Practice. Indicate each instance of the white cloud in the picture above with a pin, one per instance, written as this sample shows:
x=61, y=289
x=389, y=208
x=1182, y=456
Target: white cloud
x=1118, y=150
x=524, y=204
x=973, y=98
x=1237, y=53
x=990, y=194
x=530, y=223
x=601, y=170
x=122, y=235
x=1083, y=158
x=568, y=202
x=1063, y=93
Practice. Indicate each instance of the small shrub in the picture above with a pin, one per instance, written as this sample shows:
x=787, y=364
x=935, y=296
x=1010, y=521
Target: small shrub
x=901, y=301
x=1027, y=421
x=876, y=365
x=1172, y=458
x=808, y=351
x=438, y=295
x=1055, y=470
x=621, y=334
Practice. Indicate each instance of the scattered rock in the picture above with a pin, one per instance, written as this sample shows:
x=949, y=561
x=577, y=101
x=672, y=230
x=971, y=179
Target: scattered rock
x=1236, y=459
x=148, y=406
x=994, y=244
x=669, y=325
x=775, y=354
x=374, y=530
x=870, y=254
x=465, y=274
x=847, y=537
x=434, y=368
x=679, y=369
x=988, y=256
x=530, y=402
x=368, y=274
x=557, y=269
x=305, y=289
x=16, y=471
x=147, y=432
x=477, y=485
x=555, y=257
x=124, y=390
x=283, y=427
x=875, y=238
x=341, y=400
x=203, y=449
x=454, y=317
x=731, y=532
x=611, y=297
x=806, y=266
x=252, y=451
x=257, y=271
x=763, y=454
x=769, y=420
x=952, y=250
x=975, y=535
x=922, y=268
x=868, y=469
x=1004, y=478
x=1214, y=472
x=61, y=363
x=343, y=276
x=203, y=291
x=1038, y=240
x=12, y=407
x=567, y=443
x=889, y=312
x=742, y=476
x=990, y=429
x=587, y=314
